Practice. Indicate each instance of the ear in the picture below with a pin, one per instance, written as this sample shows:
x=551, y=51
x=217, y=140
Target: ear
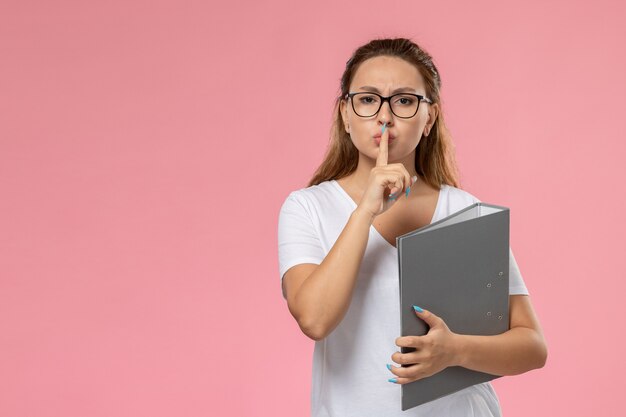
x=433, y=112
x=343, y=109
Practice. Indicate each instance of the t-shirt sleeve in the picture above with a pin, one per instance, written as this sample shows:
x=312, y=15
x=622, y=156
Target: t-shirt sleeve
x=516, y=281
x=298, y=241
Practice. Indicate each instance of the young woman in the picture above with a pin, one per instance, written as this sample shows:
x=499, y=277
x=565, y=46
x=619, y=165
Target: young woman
x=389, y=170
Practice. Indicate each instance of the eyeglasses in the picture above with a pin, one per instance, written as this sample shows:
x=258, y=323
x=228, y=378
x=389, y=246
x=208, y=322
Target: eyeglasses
x=403, y=105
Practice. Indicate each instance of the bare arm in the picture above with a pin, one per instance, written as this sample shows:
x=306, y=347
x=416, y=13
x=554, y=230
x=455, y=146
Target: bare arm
x=319, y=296
x=518, y=350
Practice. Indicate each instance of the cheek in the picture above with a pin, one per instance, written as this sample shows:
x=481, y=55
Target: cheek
x=417, y=129
x=358, y=130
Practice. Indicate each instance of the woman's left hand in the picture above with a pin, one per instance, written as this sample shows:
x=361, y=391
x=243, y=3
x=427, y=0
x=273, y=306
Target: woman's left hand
x=434, y=352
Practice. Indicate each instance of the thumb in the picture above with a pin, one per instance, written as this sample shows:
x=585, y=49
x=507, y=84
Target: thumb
x=430, y=319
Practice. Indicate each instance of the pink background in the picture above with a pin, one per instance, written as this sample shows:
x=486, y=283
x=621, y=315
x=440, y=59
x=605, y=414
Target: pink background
x=147, y=146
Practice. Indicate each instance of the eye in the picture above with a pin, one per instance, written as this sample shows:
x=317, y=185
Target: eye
x=368, y=99
x=405, y=100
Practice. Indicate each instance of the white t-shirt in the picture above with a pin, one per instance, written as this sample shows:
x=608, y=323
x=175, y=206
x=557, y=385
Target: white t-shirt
x=349, y=375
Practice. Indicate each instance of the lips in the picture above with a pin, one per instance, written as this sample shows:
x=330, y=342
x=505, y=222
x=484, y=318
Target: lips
x=378, y=137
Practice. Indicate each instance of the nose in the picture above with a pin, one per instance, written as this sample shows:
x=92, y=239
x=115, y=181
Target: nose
x=384, y=114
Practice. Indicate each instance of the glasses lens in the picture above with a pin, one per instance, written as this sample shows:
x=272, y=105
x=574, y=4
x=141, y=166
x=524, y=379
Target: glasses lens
x=404, y=105
x=365, y=105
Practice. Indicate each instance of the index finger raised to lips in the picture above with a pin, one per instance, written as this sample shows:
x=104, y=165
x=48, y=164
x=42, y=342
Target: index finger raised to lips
x=383, y=150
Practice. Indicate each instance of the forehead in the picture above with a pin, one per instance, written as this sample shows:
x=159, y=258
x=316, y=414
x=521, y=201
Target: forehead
x=387, y=72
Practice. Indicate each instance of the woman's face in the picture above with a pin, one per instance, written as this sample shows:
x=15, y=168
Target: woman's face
x=384, y=75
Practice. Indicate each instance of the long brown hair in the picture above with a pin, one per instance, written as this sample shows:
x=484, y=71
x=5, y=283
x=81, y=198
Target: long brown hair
x=434, y=157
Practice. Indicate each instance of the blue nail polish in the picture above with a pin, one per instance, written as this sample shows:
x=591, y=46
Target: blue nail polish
x=418, y=309
x=407, y=191
x=389, y=367
x=385, y=125
x=394, y=380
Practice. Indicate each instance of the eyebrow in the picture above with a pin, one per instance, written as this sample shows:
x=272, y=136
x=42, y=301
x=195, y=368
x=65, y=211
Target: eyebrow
x=397, y=90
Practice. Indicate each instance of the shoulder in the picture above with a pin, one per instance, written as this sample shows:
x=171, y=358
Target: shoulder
x=461, y=194
x=309, y=198
x=321, y=191
x=458, y=198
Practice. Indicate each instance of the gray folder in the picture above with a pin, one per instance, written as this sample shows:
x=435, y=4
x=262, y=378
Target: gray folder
x=458, y=268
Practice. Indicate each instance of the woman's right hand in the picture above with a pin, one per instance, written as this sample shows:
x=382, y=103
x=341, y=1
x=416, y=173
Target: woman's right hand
x=384, y=180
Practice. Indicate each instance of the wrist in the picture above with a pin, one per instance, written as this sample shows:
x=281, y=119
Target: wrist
x=459, y=350
x=363, y=216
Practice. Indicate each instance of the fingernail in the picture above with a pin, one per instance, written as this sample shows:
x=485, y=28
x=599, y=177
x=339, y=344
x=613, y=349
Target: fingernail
x=414, y=178
x=394, y=380
x=407, y=191
x=384, y=125
x=389, y=367
x=418, y=309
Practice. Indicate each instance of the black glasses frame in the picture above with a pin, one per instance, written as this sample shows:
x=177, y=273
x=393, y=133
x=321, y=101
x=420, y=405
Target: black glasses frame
x=420, y=98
